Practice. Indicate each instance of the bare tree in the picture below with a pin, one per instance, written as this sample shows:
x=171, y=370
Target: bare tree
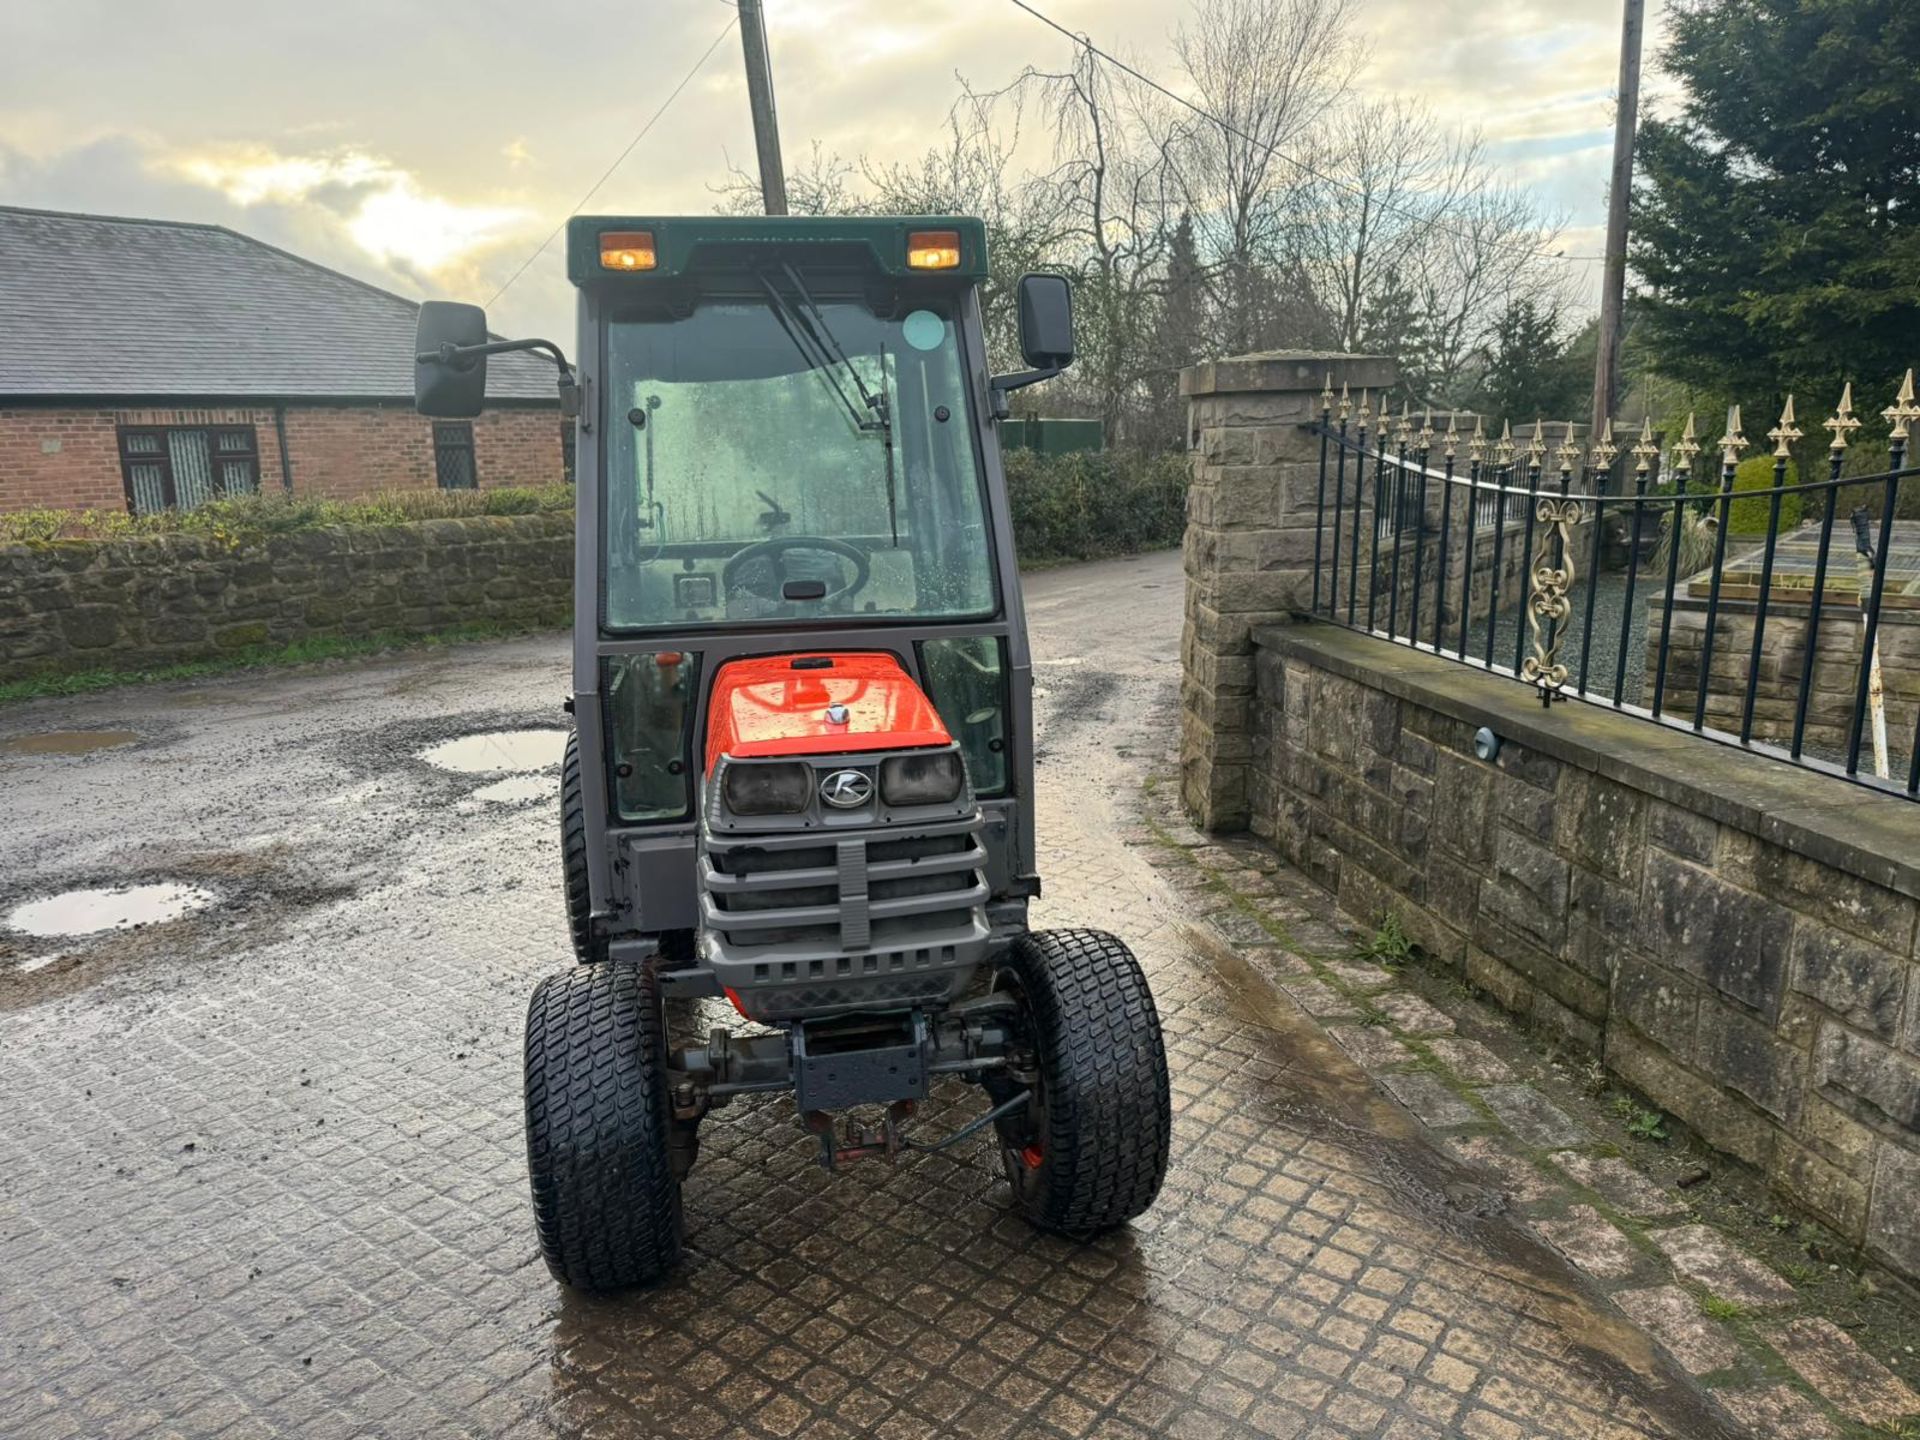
x=1266, y=73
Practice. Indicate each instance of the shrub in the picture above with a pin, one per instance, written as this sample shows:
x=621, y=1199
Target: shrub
x=1083, y=506
x=1749, y=516
x=275, y=514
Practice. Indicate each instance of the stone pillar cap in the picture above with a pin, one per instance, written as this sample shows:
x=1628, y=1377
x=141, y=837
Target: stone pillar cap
x=1291, y=371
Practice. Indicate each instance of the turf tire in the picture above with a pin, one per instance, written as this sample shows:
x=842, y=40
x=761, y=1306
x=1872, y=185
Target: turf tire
x=573, y=858
x=606, y=1205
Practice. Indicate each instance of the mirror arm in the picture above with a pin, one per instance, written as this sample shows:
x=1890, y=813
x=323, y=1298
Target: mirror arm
x=460, y=357
x=1000, y=386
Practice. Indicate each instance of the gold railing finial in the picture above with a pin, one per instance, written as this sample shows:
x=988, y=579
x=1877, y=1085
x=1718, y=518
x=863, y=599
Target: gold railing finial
x=1403, y=431
x=1686, y=447
x=1346, y=403
x=1733, y=442
x=1785, y=433
x=1903, y=410
x=1537, y=446
x=1364, y=414
x=1648, y=450
x=1843, y=423
x=1452, y=447
x=1569, y=452
x=1427, y=432
x=1503, y=450
x=1477, y=446
x=1326, y=395
x=1605, y=451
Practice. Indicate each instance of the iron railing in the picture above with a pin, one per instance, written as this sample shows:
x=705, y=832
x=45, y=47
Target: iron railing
x=1747, y=615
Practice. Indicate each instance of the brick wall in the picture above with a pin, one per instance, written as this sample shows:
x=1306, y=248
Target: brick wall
x=68, y=457
x=1736, y=937
x=74, y=605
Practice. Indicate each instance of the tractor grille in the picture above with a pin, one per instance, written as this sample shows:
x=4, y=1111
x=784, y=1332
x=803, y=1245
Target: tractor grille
x=849, y=904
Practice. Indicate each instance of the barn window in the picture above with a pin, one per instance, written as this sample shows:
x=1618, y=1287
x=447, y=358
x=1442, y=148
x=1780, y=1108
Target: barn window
x=453, y=454
x=182, y=467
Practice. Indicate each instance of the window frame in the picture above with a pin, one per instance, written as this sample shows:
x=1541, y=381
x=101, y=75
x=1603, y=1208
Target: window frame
x=451, y=438
x=163, y=458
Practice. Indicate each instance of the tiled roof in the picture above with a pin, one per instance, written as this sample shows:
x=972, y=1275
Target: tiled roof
x=91, y=305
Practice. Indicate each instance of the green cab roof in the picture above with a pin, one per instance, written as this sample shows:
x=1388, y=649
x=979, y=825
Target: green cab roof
x=680, y=241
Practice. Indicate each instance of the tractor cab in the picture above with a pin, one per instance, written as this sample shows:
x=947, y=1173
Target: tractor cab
x=801, y=776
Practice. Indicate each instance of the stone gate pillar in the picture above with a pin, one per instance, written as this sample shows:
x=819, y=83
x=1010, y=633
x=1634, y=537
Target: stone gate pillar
x=1249, y=545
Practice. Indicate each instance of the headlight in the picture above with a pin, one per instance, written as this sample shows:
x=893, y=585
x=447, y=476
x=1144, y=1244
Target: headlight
x=921, y=779
x=767, y=789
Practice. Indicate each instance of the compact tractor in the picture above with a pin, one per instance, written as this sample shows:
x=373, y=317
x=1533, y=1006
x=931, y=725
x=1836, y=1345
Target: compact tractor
x=800, y=776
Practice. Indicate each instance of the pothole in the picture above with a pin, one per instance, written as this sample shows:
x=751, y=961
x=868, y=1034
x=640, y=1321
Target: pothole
x=67, y=742
x=88, y=912
x=517, y=790
x=499, y=750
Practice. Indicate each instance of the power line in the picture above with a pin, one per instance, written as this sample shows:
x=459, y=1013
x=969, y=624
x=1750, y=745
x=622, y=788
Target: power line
x=620, y=159
x=1302, y=166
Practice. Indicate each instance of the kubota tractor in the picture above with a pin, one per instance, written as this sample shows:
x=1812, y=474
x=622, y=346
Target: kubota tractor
x=801, y=775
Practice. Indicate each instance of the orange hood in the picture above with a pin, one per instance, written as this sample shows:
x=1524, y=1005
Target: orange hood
x=777, y=705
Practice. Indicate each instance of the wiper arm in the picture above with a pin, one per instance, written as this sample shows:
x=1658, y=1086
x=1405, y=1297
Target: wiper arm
x=823, y=350
x=813, y=352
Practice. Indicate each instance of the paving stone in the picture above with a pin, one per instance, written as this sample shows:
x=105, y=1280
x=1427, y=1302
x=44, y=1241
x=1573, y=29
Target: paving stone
x=1429, y=1098
x=1279, y=965
x=1852, y=1380
x=1674, y=1318
x=1413, y=1015
x=1706, y=1257
x=1360, y=975
x=1320, y=999
x=1534, y=1118
x=1241, y=930
x=1590, y=1240
x=1470, y=1060
x=1520, y=1176
x=1778, y=1412
x=1622, y=1186
x=1373, y=1047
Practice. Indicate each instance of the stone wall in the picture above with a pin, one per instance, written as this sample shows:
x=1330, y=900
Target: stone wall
x=1836, y=668
x=77, y=605
x=1735, y=936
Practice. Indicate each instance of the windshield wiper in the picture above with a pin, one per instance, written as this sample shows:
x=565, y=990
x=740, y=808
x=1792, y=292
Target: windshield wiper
x=807, y=328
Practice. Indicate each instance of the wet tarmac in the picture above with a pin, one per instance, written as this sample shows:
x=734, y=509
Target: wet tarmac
x=263, y=1169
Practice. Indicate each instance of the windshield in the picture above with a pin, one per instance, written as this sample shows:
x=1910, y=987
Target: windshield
x=773, y=459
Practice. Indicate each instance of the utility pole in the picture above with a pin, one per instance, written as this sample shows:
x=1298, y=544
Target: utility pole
x=766, y=125
x=1613, y=282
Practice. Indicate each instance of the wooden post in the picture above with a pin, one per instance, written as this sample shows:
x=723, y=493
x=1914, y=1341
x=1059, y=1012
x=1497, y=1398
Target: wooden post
x=766, y=125
x=1613, y=283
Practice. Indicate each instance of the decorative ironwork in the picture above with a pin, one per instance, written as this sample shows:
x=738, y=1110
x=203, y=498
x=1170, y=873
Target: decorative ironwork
x=1647, y=451
x=1605, y=451
x=1548, y=602
x=1346, y=403
x=1843, y=423
x=1903, y=411
x=1733, y=442
x=1646, y=601
x=1326, y=395
x=1785, y=433
x=1364, y=414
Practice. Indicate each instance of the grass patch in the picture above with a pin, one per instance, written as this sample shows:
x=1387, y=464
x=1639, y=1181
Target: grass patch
x=300, y=652
x=1641, y=1123
x=1719, y=1309
x=1388, y=945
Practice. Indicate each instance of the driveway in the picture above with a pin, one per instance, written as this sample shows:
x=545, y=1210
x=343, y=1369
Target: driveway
x=262, y=1168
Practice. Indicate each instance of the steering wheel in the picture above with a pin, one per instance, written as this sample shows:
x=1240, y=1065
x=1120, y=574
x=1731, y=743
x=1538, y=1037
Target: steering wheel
x=772, y=550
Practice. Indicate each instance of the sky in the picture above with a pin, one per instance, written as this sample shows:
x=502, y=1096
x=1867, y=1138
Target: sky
x=430, y=148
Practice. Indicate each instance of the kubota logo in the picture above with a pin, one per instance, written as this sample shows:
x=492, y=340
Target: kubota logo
x=846, y=789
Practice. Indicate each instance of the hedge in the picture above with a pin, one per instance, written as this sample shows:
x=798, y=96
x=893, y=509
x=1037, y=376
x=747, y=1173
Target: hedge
x=1066, y=507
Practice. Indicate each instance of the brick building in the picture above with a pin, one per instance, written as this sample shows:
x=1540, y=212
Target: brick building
x=146, y=363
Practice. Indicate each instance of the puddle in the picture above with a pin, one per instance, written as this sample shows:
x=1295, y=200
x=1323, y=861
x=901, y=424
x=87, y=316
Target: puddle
x=518, y=790
x=87, y=912
x=67, y=742
x=489, y=754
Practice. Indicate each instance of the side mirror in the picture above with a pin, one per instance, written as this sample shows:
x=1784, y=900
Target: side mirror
x=1046, y=321
x=443, y=386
